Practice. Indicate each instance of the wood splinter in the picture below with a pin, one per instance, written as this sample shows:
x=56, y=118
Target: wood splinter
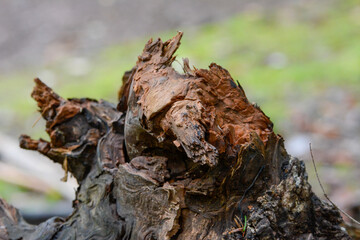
x=181, y=156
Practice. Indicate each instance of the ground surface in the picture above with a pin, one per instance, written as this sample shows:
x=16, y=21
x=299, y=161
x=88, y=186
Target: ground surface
x=39, y=31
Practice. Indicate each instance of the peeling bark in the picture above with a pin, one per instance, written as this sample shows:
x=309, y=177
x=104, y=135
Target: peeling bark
x=182, y=156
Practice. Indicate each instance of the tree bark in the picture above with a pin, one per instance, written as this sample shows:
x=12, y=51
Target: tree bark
x=182, y=156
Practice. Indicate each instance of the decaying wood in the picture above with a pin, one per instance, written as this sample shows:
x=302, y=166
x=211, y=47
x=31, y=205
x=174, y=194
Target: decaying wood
x=182, y=156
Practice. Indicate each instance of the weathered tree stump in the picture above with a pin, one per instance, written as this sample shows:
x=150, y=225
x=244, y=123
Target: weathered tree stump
x=182, y=156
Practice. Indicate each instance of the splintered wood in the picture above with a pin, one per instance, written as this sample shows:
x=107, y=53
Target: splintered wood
x=182, y=156
x=204, y=111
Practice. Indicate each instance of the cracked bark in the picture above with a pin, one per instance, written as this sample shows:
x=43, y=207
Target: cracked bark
x=182, y=156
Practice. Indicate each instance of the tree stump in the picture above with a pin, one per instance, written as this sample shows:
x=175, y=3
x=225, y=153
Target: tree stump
x=182, y=156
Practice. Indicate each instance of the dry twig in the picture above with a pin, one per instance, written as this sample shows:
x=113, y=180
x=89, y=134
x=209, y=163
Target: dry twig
x=325, y=195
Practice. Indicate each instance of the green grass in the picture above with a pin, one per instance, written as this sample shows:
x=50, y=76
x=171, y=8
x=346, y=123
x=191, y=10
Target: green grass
x=8, y=189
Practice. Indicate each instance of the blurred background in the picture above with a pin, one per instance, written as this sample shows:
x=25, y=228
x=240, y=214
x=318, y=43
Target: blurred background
x=298, y=59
